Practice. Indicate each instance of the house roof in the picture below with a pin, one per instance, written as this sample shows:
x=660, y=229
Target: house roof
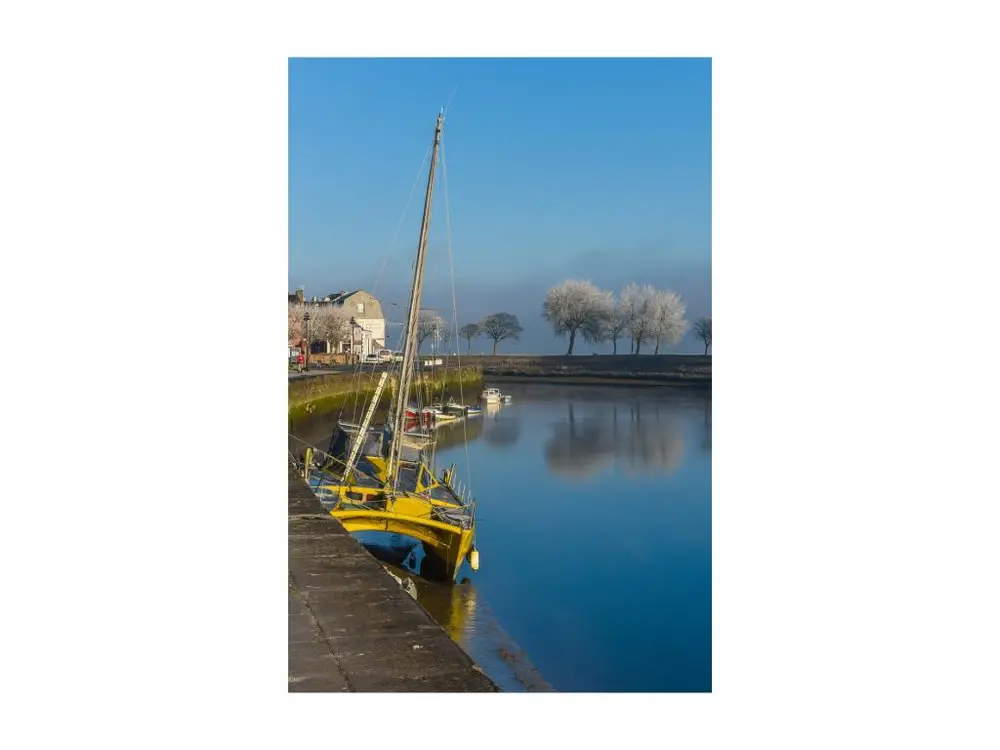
x=341, y=296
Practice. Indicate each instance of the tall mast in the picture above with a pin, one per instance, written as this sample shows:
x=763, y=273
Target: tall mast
x=410, y=341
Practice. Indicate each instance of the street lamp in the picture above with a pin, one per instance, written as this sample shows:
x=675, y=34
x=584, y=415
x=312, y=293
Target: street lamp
x=306, y=319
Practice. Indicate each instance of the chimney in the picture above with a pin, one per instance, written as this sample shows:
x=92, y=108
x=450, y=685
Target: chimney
x=300, y=295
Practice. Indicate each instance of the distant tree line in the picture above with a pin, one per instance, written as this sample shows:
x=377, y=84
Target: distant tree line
x=639, y=314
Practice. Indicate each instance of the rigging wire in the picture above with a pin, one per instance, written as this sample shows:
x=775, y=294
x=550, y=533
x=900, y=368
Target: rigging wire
x=454, y=309
x=453, y=91
x=356, y=377
x=399, y=224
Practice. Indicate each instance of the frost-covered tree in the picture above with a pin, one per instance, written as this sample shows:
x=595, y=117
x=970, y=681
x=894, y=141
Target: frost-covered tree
x=577, y=306
x=468, y=332
x=430, y=324
x=329, y=323
x=500, y=326
x=441, y=337
x=703, y=330
x=294, y=323
x=669, y=323
x=639, y=307
x=615, y=326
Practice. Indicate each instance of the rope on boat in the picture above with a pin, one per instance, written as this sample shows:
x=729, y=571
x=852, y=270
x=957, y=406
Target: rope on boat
x=320, y=451
x=333, y=459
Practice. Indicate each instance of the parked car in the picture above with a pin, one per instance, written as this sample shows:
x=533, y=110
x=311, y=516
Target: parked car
x=371, y=359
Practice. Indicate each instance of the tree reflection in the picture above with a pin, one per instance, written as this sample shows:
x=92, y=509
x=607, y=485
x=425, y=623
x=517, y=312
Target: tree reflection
x=706, y=440
x=579, y=447
x=638, y=438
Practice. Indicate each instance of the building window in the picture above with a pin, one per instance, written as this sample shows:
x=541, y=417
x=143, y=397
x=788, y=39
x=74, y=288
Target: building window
x=361, y=308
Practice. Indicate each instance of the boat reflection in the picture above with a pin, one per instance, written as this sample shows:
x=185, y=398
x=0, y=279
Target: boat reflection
x=501, y=430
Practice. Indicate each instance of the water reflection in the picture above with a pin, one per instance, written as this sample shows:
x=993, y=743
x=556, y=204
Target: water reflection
x=636, y=602
x=468, y=620
x=641, y=438
x=455, y=433
x=501, y=433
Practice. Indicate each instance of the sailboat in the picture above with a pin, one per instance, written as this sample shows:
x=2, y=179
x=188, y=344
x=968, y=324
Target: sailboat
x=382, y=478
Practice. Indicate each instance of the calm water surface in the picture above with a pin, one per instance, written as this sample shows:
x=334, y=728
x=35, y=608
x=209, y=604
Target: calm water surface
x=594, y=530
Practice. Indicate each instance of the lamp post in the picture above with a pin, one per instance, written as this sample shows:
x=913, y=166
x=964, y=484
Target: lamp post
x=305, y=318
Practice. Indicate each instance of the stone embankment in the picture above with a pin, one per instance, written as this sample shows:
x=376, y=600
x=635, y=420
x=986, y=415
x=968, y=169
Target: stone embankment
x=327, y=392
x=664, y=369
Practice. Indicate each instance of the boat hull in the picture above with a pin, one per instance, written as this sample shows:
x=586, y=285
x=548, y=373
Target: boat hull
x=445, y=547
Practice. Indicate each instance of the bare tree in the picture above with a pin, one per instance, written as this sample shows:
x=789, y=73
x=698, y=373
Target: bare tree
x=468, y=332
x=639, y=307
x=615, y=326
x=441, y=337
x=669, y=324
x=577, y=306
x=703, y=330
x=429, y=324
x=500, y=326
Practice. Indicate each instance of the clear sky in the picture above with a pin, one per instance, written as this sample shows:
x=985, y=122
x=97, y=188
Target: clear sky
x=556, y=169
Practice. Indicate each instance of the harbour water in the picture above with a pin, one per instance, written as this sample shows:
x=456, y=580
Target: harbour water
x=594, y=531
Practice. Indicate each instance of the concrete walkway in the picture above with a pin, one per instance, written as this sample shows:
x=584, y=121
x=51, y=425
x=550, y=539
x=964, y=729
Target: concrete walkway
x=351, y=627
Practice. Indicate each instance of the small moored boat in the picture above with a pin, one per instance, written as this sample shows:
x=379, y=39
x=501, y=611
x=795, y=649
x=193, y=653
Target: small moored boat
x=460, y=410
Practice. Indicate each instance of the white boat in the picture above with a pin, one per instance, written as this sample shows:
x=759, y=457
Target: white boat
x=492, y=396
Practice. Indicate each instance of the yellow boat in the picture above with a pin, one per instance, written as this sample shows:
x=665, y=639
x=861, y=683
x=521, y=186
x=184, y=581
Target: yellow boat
x=420, y=505
x=382, y=478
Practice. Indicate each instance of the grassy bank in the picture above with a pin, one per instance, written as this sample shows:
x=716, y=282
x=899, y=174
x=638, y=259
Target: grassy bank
x=663, y=369
x=326, y=393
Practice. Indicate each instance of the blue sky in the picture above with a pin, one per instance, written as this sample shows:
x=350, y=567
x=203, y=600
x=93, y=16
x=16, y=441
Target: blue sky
x=556, y=169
